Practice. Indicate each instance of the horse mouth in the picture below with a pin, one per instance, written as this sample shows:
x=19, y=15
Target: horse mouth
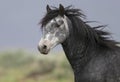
x=44, y=52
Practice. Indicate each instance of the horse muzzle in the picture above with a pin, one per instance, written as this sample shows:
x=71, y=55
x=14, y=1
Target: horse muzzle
x=44, y=49
x=45, y=45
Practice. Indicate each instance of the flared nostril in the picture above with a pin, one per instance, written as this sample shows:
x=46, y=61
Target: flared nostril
x=44, y=47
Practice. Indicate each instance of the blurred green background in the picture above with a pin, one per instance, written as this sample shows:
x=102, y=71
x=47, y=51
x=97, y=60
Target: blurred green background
x=22, y=66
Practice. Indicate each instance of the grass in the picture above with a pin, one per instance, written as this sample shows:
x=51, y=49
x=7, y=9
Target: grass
x=21, y=66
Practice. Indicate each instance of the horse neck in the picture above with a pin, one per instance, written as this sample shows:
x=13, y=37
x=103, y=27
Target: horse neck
x=77, y=54
x=77, y=50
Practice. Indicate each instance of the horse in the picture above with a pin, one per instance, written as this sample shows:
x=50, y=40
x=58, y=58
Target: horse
x=92, y=54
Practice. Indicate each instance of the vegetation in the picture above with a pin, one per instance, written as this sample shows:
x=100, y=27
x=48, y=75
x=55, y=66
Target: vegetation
x=21, y=66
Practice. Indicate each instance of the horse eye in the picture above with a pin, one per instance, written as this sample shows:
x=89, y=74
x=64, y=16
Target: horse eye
x=55, y=25
x=60, y=22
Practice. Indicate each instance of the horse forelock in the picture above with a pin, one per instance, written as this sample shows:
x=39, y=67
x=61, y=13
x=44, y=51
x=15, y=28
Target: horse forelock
x=69, y=11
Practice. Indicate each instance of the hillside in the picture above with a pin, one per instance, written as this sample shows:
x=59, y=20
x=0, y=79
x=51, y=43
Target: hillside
x=22, y=66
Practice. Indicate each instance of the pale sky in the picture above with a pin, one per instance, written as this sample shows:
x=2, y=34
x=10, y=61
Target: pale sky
x=19, y=19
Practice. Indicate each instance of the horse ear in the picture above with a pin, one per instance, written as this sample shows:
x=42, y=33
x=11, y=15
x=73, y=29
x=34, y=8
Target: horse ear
x=61, y=10
x=48, y=8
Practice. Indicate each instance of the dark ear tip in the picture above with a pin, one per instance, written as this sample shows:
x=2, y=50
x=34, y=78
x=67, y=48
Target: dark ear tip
x=47, y=6
x=61, y=10
x=60, y=5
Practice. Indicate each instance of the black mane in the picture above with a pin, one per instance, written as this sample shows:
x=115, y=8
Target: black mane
x=92, y=35
x=92, y=54
x=55, y=12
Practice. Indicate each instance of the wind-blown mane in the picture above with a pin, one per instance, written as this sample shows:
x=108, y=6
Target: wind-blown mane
x=55, y=12
x=92, y=54
x=92, y=35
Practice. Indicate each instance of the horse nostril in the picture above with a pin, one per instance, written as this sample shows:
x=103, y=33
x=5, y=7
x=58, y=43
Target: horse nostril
x=44, y=47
